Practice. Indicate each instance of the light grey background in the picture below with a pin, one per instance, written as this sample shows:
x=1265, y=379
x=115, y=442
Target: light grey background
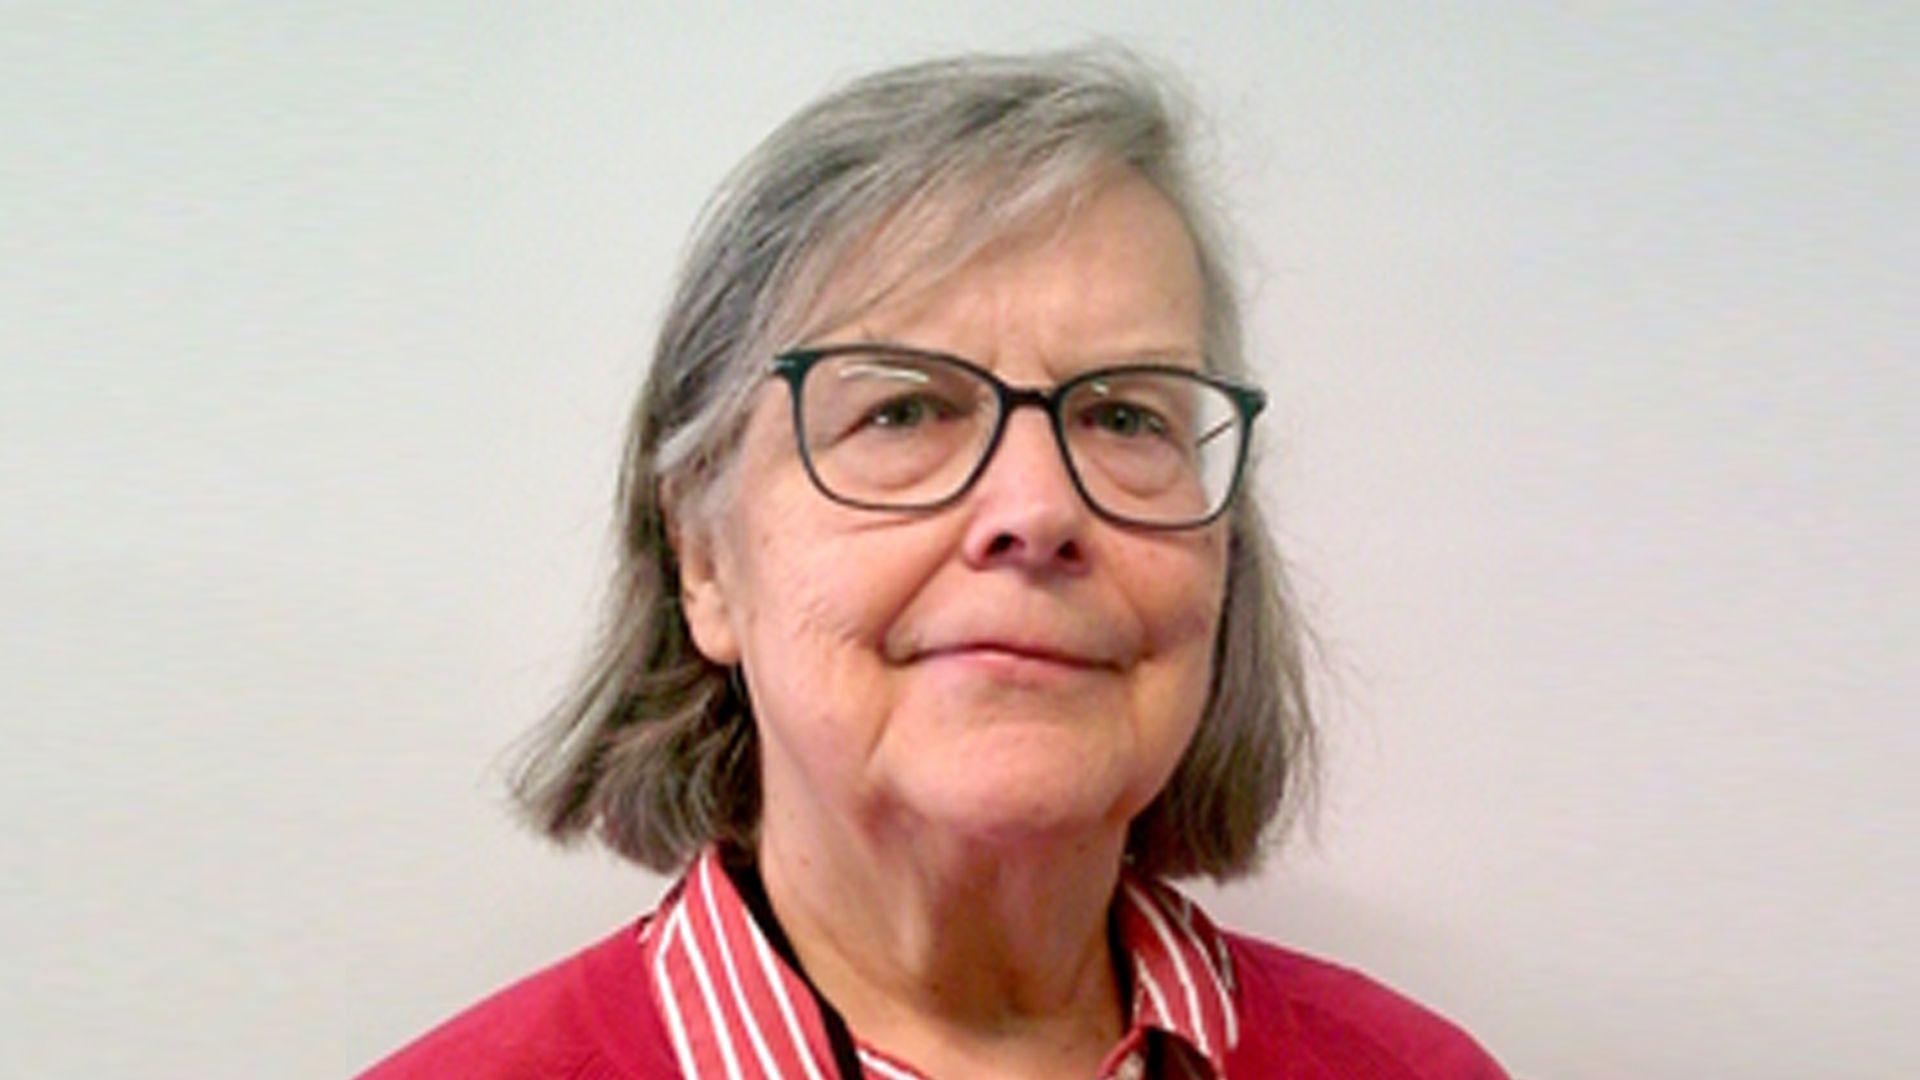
x=1590, y=329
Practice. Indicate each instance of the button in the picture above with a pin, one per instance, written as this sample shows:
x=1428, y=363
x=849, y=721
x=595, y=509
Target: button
x=1132, y=1067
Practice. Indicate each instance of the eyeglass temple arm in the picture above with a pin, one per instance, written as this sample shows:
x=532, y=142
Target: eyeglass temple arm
x=1214, y=433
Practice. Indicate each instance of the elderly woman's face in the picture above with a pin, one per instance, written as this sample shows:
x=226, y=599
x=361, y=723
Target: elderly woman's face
x=1010, y=665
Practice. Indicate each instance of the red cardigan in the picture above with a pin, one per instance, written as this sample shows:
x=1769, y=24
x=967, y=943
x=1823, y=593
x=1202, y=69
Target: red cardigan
x=593, y=1017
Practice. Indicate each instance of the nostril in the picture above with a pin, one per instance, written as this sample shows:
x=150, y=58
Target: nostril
x=1007, y=545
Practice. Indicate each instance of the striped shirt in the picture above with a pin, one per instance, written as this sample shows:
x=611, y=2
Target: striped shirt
x=734, y=1010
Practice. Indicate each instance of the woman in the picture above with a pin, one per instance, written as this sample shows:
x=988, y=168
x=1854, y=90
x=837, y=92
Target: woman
x=926, y=690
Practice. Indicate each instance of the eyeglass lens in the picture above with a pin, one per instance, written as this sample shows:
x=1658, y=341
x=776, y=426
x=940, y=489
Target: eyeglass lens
x=904, y=431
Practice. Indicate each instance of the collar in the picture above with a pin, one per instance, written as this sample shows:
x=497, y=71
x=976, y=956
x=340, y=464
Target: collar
x=734, y=1009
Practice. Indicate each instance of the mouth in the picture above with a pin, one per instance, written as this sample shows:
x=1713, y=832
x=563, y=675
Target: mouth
x=1018, y=654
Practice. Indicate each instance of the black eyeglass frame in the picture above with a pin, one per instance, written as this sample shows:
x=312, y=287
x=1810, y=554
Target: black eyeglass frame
x=793, y=365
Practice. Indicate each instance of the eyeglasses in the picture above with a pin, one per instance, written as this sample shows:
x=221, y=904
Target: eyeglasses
x=884, y=427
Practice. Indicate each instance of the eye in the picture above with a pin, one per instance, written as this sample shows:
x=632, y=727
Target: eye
x=908, y=411
x=1125, y=419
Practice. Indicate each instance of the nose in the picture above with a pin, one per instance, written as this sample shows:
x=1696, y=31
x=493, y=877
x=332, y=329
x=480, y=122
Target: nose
x=1026, y=512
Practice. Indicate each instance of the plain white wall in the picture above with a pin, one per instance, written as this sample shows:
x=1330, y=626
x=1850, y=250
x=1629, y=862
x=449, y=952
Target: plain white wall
x=1590, y=329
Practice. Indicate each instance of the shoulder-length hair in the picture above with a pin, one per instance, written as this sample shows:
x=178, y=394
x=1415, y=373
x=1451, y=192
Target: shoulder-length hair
x=898, y=176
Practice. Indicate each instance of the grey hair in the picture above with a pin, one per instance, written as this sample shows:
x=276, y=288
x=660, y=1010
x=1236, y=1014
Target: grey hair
x=898, y=177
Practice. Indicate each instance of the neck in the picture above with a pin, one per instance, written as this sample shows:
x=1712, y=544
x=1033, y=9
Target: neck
x=963, y=957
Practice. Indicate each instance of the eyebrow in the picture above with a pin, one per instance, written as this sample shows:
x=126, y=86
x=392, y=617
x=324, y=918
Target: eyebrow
x=1150, y=354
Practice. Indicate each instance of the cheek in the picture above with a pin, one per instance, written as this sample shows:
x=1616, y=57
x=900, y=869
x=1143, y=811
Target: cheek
x=824, y=587
x=802, y=590
x=1185, y=591
x=826, y=596
x=1181, y=612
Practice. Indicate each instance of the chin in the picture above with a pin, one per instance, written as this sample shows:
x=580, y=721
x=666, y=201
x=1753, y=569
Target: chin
x=1031, y=798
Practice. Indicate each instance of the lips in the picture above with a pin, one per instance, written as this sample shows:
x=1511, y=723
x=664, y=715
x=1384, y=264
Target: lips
x=1017, y=632
x=1086, y=643
x=1019, y=650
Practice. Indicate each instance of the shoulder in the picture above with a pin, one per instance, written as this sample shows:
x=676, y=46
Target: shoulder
x=590, y=1016
x=1296, y=1007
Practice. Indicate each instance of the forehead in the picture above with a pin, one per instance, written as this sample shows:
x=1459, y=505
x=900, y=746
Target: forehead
x=1109, y=273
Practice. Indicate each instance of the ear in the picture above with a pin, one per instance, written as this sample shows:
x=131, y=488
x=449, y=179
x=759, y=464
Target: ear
x=705, y=588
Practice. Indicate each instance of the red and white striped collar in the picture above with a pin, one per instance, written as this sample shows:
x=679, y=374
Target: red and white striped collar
x=733, y=1009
